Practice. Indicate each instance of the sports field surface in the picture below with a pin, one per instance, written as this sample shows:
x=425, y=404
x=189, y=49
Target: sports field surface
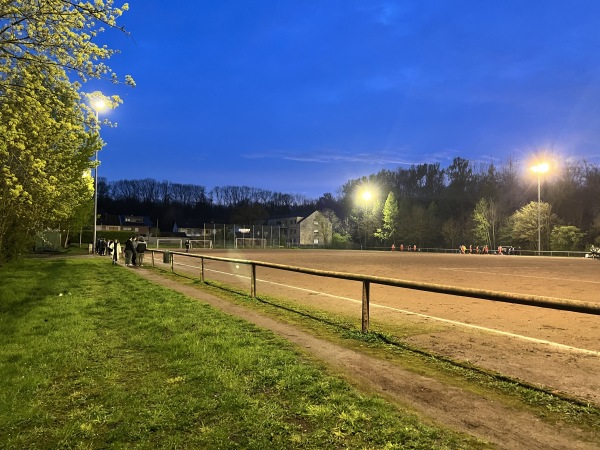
x=555, y=349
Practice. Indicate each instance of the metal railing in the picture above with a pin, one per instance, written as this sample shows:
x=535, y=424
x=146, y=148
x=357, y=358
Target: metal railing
x=366, y=280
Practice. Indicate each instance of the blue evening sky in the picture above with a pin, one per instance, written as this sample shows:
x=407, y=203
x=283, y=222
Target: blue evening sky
x=299, y=96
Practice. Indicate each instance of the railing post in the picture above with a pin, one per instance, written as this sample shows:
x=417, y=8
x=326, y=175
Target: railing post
x=172, y=262
x=152, y=258
x=202, y=270
x=253, y=280
x=365, y=305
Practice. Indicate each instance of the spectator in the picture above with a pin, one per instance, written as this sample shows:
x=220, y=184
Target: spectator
x=140, y=249
x=129, y=251
x=134, y=256
x=102, y=247
x=116, y=251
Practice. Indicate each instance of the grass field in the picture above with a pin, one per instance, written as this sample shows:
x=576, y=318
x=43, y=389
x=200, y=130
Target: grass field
x=93, y=356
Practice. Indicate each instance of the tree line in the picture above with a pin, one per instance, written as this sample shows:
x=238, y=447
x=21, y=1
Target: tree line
x=480, y=204
x=425, y=205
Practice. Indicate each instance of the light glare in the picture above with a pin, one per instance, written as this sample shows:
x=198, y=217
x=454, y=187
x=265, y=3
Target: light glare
x=99, y=104
x=541, y=168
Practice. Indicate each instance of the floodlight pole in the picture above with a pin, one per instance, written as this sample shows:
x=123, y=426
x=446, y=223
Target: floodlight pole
x=539, y=169
x=98, y=103
x=95, y=192
x=365, y=224
x=366, y=197
x=539, y=213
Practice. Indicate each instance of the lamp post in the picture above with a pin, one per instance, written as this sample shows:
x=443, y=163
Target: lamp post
x=539, y=169
x=366, y=197
x=98, y=104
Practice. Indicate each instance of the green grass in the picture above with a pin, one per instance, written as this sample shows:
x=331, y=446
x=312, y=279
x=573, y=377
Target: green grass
x=386, y=343
x=92, y=356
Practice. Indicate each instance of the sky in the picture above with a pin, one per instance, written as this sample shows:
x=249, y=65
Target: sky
x=301, y=96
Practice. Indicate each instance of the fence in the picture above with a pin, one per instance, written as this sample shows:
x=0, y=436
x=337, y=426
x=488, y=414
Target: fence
x=225, y=235
x=366, y=280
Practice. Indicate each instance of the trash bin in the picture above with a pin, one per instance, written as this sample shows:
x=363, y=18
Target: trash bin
x=167, y=257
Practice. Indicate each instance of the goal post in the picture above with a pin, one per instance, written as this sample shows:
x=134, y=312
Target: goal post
x=169, y=242
x=200, y=243
x=250, y=243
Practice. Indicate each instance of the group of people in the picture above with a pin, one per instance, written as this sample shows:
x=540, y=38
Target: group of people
x=484, y=250
x=409, y=248
x=477, y=250
x=463, y=249
x=134, y=250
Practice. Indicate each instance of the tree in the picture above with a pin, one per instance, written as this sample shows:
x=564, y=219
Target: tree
x=421, y=225
x=452, y=232
x=47, y=150
x=372, y=216
x=525, y=224
x=459, y=195
x=58, y=33
x=566, y=238
x=82, y=211
x=486, y=220
x=49, y=133
x=390, y=219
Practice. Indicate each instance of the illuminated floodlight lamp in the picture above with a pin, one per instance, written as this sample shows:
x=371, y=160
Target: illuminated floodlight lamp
x=99, y=104
x=541, y=168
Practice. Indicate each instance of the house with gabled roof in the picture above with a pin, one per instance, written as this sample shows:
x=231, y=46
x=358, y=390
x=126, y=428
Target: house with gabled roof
x=138, y=225
x=315, y=230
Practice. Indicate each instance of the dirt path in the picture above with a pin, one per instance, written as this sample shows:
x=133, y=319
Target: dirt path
x=491, y=421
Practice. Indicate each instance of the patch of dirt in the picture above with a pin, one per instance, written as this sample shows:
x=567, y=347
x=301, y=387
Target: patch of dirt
x=502, y=425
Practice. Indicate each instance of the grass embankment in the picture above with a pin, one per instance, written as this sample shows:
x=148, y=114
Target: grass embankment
x=94, y=357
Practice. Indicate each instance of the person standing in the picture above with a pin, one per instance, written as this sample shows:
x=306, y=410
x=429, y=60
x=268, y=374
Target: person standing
x=102, y=247
x=140, y=249
x=115, y=252
x=129, y=250
x=134, y=256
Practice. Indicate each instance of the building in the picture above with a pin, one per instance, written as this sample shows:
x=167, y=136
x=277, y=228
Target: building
x=312, y=231
x=190, y=229
x=138, y=225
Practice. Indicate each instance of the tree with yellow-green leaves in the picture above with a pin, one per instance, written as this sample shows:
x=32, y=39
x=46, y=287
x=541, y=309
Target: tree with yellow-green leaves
x=49, y=134
x=391, y=214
